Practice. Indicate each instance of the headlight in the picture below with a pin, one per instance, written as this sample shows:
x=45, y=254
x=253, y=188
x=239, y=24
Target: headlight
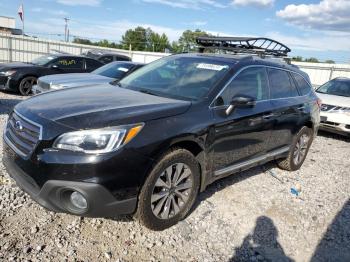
x=97, y=140
x=56, y=86
x=8, y=73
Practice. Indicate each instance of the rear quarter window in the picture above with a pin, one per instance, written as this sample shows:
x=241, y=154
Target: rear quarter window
x=281, y=84
x=303, y=86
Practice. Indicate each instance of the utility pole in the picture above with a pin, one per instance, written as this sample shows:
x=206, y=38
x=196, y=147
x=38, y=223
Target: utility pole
x=66, y=29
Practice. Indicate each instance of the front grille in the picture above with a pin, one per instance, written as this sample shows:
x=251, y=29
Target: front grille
x=22, y=134
x=328, y=108
x=3, y=80
x=43, y=84
x=330, y=123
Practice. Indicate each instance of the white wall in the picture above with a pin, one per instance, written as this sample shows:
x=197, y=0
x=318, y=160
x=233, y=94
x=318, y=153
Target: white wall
x=8, y=22
x=25, y=49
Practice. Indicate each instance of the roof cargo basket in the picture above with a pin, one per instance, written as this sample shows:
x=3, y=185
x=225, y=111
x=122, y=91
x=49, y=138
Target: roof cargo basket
x=248, y=45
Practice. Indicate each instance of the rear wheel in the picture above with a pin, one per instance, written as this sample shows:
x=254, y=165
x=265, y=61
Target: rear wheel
x=298, y=150
x=26, y=84
x=169, y=191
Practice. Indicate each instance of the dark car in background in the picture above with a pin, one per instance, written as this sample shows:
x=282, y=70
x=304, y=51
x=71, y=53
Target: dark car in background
x=149, y=145
x=108, y=73
x=105, y=56
x=20, y=77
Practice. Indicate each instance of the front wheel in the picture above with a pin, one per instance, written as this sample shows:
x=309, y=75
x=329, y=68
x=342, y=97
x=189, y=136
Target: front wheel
x=169, y=191
x=26, y=84
x=298, y=150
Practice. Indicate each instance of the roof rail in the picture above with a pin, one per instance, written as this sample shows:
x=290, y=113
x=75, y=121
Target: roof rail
x=248, y=45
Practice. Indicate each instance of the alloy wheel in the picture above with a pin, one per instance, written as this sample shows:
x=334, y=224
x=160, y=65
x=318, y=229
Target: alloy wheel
x=172, y=191
x=26, y=85
x=301, y=149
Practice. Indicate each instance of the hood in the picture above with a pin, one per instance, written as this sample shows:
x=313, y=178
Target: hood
x=76, y=79
x=15, y=65
x=334, y=100
x=99, y=106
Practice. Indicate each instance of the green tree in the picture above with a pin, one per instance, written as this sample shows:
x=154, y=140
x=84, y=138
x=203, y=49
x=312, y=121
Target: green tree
x=82, y=41
x=297, y=59
x=137, y=38
x=157, y=42
x=187, y=42
x=329, y=62
x=312, y=60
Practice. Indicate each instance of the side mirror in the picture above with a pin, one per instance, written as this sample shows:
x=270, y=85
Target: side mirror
x=54, y=67
x=240, y=102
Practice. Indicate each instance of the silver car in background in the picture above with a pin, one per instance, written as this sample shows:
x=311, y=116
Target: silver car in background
x=108, y=73
x=335, y=109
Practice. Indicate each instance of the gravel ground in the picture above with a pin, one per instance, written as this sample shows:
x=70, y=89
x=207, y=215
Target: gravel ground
x=251, y=216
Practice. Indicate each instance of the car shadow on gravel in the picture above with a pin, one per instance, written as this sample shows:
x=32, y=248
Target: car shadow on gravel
x=262, y=244
x=335, y=244
x=6, y=105
x=333, y=135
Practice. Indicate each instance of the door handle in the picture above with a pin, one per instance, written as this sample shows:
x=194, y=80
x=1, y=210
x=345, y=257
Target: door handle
x=268, y=116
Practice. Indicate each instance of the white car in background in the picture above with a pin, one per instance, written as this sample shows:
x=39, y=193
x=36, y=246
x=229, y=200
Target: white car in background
x=335, y=110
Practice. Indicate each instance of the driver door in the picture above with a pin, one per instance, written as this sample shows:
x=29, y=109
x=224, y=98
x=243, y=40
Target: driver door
x=245, y=133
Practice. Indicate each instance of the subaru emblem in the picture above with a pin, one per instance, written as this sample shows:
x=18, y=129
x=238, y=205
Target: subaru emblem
x=18, y=126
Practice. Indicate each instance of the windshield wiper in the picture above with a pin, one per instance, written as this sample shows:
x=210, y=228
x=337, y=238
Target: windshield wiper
x=145, y=91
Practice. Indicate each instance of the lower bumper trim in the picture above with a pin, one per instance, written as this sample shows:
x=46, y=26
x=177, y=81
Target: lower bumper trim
x=101, y=203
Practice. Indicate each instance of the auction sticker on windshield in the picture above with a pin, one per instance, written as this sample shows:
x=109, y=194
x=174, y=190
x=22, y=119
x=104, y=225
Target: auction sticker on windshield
x=212, y=66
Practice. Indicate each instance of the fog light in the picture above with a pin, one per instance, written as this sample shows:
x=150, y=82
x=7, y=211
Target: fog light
x=78, y=200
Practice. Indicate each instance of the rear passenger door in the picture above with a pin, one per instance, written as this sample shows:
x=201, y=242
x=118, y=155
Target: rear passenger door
x=287, y=108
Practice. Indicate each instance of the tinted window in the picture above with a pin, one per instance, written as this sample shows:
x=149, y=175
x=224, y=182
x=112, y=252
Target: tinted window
x=92, y=64
x=251, y=82
x=69, y=62
x=303, y=86
x=188, y=78
x=336, y=87
x=122, y=58
x=114, y=70
x=43, y=60
x=106, y=59
x=281, y=85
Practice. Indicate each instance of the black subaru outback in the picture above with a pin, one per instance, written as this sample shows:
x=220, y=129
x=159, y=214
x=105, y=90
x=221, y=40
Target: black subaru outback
x=148, y=145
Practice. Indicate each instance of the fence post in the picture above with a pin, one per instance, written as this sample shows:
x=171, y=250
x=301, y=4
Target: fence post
x=331, y=74
x=9, y=46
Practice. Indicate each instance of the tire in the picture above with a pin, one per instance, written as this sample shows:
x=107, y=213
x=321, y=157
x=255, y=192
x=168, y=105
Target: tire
x=291, y=163
x=154, y=215
x=26, y=84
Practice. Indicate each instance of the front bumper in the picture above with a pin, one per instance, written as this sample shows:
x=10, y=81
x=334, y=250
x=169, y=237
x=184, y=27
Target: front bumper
x=104, y=199
x=336, y=123
x=5, y=82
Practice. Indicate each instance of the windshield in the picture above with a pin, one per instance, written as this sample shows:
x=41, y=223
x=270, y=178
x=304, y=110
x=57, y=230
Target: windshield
x=336, y=87
x=43, y=60
x=187, y=78
x=113, y=70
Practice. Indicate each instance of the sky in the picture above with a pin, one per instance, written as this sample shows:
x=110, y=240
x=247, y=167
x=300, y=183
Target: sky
x=311, y=28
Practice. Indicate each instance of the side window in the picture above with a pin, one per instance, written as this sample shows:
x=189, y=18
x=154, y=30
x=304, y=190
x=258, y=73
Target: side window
x=121, y=58
x=92, y=64
x=303, y=86
x=250, y=82
x=281, y=84
x=106, y=59
x=69, y=63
